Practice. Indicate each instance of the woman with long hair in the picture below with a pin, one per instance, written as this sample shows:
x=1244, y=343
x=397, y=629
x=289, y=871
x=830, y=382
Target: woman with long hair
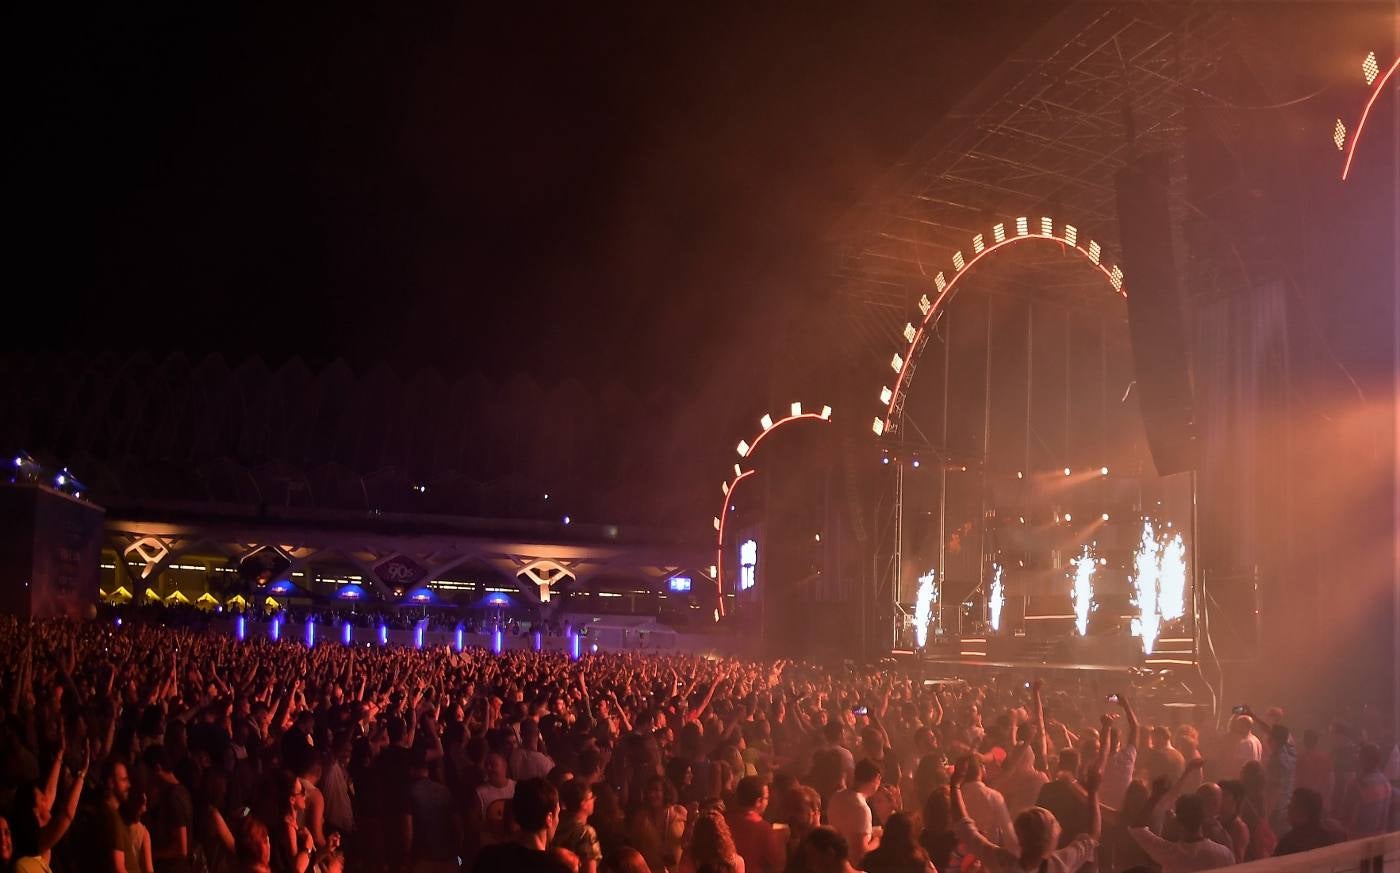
x=253, y=848
x=681, y=774
x=291, y=843
x=656, y=826
x=131, y=812
x=802, y=815
x=897, y=852
x=937, y=838
x=608, y=822
x=930, y=774
x=711, y=847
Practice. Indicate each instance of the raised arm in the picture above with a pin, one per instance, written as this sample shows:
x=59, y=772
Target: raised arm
x=51, y=783
x=621, y=712
x=976, y=842
x=937, y=714
x=1042, y=747
x=1129, y=741
x=705, y=704
x=59, y=823
x=1108, y=742
x=878, y=722
x=583, y=689
x=1092, y=779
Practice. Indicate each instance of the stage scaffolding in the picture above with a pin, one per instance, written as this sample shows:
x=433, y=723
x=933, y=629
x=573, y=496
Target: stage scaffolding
x=1042, y=134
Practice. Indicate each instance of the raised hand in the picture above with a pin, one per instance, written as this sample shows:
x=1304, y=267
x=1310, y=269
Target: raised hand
x=1092, y=780
x=959, y=775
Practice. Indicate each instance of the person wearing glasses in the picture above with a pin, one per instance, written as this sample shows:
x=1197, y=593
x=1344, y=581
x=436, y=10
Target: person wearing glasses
x=291, y=843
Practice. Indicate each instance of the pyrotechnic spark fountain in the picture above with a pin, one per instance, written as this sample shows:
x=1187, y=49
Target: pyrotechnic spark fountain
x=1147, y=565
x=1171, y=579
x=996, y=599
x=923, y=607
x=1083, y=591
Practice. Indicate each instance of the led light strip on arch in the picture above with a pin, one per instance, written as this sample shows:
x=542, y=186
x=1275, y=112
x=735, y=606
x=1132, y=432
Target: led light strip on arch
x=1371, y=72
x=746, y=449
x=1024, y=228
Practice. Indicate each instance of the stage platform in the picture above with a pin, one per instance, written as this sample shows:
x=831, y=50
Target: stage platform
x=982, y=663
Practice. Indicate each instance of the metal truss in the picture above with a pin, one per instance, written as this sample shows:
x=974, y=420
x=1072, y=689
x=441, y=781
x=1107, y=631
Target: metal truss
x=1044, y=133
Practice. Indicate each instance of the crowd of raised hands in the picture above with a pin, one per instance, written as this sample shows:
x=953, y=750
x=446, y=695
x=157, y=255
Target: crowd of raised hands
x=143, y=749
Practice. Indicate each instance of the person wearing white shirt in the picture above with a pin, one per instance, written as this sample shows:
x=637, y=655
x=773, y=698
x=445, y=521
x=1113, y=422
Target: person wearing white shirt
x=987, y=807
x=528, y=761
x=849, y=813
x=494, y=795
x=1118, y=771
x=1244, y=748
x=1036, y=829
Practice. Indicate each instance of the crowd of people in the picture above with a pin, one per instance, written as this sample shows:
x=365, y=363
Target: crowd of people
x=142, y=749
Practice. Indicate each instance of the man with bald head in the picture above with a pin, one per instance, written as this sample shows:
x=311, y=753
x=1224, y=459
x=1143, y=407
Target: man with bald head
x=1243, y=746
x=1212, y=799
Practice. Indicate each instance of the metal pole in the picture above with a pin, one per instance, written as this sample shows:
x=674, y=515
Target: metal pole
x=1069, y=415
x=1103, y=392
x=986, y=449
x=1030, y=393
x=943, y=478
x=1395, y=357
x=898, y=545
x=1030, y=372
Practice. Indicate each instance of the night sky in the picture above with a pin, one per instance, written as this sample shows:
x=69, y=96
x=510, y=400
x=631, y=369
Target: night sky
x=596, y=191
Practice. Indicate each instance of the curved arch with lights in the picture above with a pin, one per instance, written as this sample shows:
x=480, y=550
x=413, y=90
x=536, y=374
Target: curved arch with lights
x=1066, y=235
x=1371, y=72
x=746, y=450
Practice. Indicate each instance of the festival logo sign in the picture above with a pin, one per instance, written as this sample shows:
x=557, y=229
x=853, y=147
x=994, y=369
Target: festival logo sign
x=542, y=576
x=400, y=571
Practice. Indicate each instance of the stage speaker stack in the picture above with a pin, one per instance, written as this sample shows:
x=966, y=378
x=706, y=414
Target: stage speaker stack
x=1161, y=362
x=50, y=553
